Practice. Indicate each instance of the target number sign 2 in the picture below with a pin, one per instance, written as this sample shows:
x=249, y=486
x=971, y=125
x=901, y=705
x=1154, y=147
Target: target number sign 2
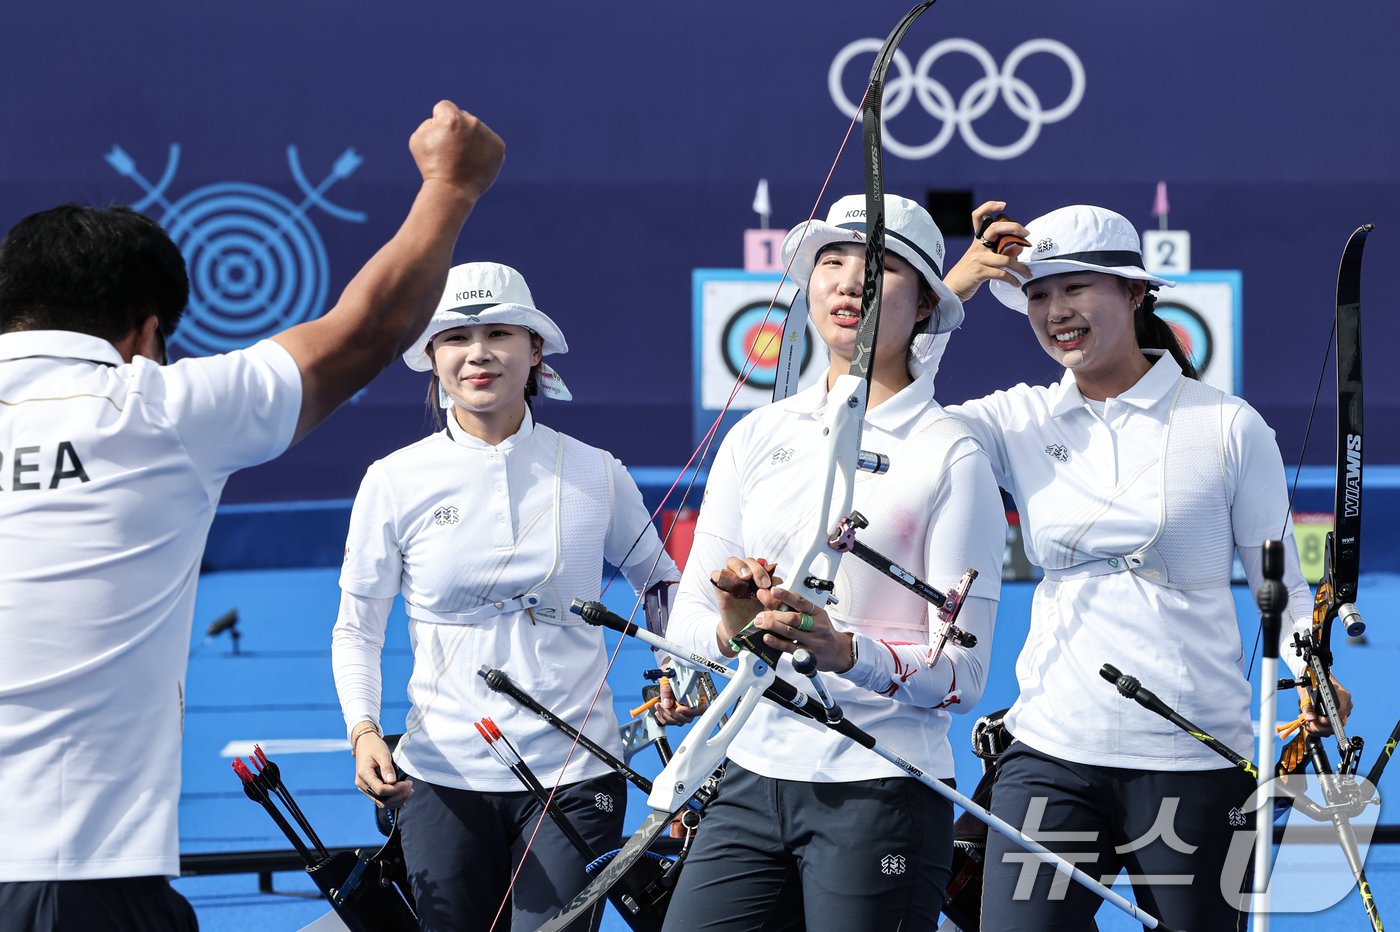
x=1166, y=252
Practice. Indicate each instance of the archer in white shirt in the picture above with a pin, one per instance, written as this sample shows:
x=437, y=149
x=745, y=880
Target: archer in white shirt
x=487, y=530
x=807, y=826
x=1137, y=486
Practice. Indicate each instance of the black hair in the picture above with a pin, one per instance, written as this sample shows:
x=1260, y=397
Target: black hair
x=929, y=324
x=1153, y=332
x=99, y=271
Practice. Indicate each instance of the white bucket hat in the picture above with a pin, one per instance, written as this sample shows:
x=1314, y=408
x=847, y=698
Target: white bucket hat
x=488, y=292
x=1077, y=238
x=910, y=233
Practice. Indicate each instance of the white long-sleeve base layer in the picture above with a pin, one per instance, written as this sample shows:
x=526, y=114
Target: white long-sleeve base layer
x=453, y=525
x=936, y=512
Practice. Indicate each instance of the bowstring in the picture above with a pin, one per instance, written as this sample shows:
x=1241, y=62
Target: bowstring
x=1297, y=473
x=877, y=72
x=702, y=451
x=746, y=370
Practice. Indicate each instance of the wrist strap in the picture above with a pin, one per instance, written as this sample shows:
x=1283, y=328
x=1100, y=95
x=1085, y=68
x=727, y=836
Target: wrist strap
x=373, y=728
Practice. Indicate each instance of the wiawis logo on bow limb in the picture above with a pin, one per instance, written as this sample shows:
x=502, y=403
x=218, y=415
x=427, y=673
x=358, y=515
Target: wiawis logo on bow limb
x=1351, y=501
x=257, y=264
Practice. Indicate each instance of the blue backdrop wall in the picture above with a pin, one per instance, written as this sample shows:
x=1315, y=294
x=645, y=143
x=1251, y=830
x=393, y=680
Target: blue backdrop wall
x=270, y=138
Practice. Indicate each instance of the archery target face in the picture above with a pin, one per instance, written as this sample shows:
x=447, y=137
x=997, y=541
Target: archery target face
x=752, y=341
x=1203, y=311
x=739, y=329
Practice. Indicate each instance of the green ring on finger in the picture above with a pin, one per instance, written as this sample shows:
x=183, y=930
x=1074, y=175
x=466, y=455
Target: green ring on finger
x=805, y=623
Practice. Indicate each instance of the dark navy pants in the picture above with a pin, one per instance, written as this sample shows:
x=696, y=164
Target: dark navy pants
x=870, y=856
x=461, y=848
x=123, y=904
x=1171, y=830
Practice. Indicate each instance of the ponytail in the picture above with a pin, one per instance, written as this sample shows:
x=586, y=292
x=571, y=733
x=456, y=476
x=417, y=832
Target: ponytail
x=1154, y=333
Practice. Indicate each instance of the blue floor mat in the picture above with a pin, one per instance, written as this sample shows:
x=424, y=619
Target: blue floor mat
x=279, y=688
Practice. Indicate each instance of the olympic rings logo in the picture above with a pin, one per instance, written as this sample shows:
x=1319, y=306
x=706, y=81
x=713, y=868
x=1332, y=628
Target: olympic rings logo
x=998, y=83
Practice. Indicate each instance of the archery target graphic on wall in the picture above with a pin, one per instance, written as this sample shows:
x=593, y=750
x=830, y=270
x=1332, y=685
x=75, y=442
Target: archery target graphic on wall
x=256, y=262
x=737, y=328
x=1203, y=311
x=751, y=341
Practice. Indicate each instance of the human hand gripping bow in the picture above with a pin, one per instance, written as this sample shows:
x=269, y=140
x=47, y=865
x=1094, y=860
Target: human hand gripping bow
x=813, y=580
x=1336, y=592
x=1343, y=796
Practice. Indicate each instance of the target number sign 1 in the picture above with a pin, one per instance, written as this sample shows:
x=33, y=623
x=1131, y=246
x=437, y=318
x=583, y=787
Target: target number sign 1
x=763, y=250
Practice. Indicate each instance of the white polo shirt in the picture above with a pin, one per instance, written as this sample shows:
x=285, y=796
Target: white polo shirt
x=109, y=476
x=1091, y=484
x=936, y=512
x=456, y=525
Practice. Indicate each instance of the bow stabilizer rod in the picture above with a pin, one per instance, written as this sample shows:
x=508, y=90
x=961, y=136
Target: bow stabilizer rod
x=789, y=697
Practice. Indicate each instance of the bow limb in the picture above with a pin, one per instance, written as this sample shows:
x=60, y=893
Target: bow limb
x=862, y=360
x=1336, y=592
x=814, y=577
x=847, y=400
x=1342, y=796
x=1344, y=567
x=1344, y=548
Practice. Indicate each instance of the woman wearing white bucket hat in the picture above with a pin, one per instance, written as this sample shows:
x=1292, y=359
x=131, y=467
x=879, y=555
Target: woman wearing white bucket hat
x=487, y=529
x=809, y=829
x=1137, y=485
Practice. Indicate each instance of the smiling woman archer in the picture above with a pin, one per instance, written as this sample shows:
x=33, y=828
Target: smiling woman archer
x=810, y=830
x=1137, y=486
x=487, y=529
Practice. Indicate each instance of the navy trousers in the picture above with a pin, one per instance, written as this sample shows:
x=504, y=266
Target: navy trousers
x=870, y=856
x=1171, y=830
x=461, y=848
x=123, y=904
